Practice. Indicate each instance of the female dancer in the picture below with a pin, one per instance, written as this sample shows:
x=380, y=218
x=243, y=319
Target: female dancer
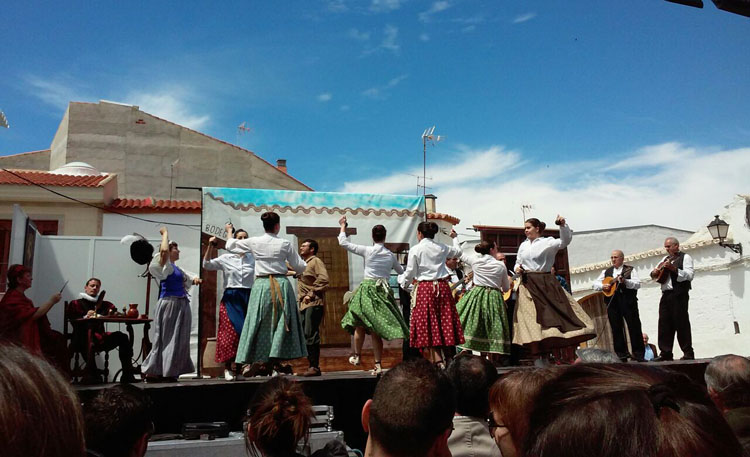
x=170, y=355
x=273, y=328
x=239, y=274
x=546, y=317
x=482, y=310
x=372, y=308
x=434, y=324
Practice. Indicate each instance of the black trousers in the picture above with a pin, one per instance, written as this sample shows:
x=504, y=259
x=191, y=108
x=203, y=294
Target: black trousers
x=407, y=351
x=623, y=310
x=673, y=317
x=311, y=318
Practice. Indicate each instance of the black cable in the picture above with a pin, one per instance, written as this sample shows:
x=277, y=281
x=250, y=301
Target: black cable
x=102, y=208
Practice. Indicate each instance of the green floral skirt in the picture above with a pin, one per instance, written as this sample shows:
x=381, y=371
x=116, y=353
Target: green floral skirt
x=372, y=306
x=484, y=320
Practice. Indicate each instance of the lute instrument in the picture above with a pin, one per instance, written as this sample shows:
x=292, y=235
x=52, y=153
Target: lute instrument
x=614, y=282
x=660, y=274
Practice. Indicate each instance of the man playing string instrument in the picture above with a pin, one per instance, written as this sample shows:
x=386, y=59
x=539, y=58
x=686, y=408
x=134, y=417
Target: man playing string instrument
x=620, y=283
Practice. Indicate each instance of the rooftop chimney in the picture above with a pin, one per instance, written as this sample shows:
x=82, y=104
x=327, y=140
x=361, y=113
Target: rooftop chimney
x=281, y=165
x=429, y=203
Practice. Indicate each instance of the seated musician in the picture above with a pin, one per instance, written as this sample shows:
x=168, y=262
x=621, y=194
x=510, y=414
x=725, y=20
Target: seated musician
x=88, y=305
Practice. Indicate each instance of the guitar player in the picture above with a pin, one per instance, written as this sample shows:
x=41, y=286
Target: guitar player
x=673, y=306
x=620, y=282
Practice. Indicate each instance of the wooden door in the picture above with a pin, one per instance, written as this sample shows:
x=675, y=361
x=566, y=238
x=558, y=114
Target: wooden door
x=336, y=260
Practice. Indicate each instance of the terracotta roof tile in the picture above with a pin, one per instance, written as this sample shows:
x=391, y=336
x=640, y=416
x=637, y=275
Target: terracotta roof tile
x=149, y=204
x=45, y=178
x=445, y=217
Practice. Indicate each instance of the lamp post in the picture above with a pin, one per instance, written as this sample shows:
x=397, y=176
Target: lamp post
x=719, y=230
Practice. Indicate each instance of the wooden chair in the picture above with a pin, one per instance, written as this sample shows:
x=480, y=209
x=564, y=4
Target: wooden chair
x=81, y=371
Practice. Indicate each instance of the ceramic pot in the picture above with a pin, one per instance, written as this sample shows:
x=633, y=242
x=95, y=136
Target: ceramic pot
x=133, y=311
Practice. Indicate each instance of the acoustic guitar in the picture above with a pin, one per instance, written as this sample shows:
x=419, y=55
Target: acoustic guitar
x=513, y=286
x=613, y=283
x=660, y=274
x=465, y=280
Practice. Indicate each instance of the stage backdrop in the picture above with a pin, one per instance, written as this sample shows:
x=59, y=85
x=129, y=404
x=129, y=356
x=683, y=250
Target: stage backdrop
x=315, y=215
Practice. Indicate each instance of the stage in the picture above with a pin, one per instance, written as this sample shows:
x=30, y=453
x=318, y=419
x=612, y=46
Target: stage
x=207, y=400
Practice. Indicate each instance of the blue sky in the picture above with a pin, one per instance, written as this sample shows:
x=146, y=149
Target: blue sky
x=571, y=107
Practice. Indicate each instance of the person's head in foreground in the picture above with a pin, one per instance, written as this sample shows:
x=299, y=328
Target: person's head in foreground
x=279, y=417
x=411, y=412
x=595, y=410
x=728, y=381
x=119, y=422
x=40, y=415
x=472, y=376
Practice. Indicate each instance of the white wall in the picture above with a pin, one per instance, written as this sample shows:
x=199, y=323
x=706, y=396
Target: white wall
x=596, y=246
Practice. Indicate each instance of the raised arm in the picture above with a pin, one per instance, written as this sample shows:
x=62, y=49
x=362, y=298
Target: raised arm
x=210, y=261
x=164, y=246
x=454, y=251
x=566, y=235
x=344, y=242
x=293, y=258
x=44, y=309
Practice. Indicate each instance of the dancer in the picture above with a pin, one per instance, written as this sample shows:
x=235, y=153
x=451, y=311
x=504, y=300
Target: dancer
x=546, y=316
x=434, y=325
x=170, y=355
x=482, y=310
x=372, y=308
x=239, y=274
x=273, y=328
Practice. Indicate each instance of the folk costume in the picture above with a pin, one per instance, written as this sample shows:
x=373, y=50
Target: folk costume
x=546, y=316
x=482, y=310
x=313, y=283
x=272, y=327
x=372, y=306
x=434, y=320
x=170, y=354
x=673, y=308
x=239, y=275
x=624, y=305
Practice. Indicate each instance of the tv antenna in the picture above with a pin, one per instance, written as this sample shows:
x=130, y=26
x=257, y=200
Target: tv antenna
x=420, y=186
x=242, y=129
x=428, y=136
x=525, y=207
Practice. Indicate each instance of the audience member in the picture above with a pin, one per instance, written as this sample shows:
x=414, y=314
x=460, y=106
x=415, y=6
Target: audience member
x=511, y=399
x=650, y=349
x=728, y=381
x=24, y=324
x=40, y=415
x=472, y=377
x=594, y=410
x=119, y=422
x=411, y=412
x=596, y=355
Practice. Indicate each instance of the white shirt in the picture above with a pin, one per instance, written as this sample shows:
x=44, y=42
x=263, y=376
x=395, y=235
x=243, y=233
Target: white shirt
x=686, y=274
x=427, y=261
x=160, y=272
x=379, y=261
x=539, y=255
x=633, y=283
x=238, y=269
x=488, y=271
x=271, y=254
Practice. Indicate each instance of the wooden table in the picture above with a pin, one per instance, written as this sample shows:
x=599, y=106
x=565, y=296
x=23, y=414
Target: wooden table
x=92, y=376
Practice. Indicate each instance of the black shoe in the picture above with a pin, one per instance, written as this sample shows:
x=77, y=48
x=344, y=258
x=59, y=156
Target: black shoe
x=128, y=378
x=663, y=358
x=688, y=357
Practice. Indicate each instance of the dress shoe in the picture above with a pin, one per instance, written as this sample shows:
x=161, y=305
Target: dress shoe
x=663, y=358
x=688, y=357
x=128, y=378
x=283, y=369
x=229, y=375
x=310, y=372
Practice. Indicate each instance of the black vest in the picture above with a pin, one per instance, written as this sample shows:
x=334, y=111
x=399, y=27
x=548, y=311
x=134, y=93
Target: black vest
x=683, y=286
x=623, y=293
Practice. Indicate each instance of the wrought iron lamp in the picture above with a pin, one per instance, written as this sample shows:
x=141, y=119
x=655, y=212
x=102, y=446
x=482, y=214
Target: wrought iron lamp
x=718, y=230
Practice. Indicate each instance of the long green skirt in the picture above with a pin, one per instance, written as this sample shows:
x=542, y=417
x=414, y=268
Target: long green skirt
x=484, y=320
x=273, y=328
x=372, y=306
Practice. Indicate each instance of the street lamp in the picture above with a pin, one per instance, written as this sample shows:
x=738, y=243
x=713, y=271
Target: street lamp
x=719, y=230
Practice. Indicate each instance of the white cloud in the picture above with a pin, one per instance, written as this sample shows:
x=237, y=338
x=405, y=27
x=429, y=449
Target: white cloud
x=325, y=97
x=358, y=35
x=337, y=6
x=173, y=104
x=424, y=37
x=57, y=93
x=380, y=6
x=390, y=34
x=489, y=186
x=523, y=18
x=382, y=91
x=436, y=7
x=469, y=28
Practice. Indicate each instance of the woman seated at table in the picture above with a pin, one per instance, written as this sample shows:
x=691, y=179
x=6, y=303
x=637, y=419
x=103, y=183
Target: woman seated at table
x=26, y=325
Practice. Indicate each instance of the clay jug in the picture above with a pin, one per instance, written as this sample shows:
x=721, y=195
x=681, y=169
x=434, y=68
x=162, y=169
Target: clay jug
x=133, y=311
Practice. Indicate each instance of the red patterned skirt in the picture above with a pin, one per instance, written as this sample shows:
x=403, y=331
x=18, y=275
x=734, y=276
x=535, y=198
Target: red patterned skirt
x=434, y=320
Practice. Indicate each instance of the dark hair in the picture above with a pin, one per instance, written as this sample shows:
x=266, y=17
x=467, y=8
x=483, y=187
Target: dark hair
x=236, y=232
x=537, y=223
x=378, y=234
x=14, y=273
x=279, y=417
x=270, y=219
x=117, y=418
x=625, y=410
x=484, y=247
x=412, y=406
x=40, y=414
x=94, y=279
x=512, y=397
x=173, y=244
x=472, y=376
x=313, y=244
x=729, y=377
x=428, y=229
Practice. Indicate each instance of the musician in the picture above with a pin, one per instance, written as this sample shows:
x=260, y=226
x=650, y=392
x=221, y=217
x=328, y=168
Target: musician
x=673, y=306
x=623, y=305
x=457, y=276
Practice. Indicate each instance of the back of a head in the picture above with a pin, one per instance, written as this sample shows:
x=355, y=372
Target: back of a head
x=412, y=406
x=596, y=355
x=728, y=376
x=472, y=376
x=621, y=410
x=378, y=233
x=117, y=420
x=428, y=229
x=269, y=219
x=40, y=415
x=279, y=417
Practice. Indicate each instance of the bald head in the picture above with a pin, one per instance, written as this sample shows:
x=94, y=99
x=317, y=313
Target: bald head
x=617, y=258
x=672, y=245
